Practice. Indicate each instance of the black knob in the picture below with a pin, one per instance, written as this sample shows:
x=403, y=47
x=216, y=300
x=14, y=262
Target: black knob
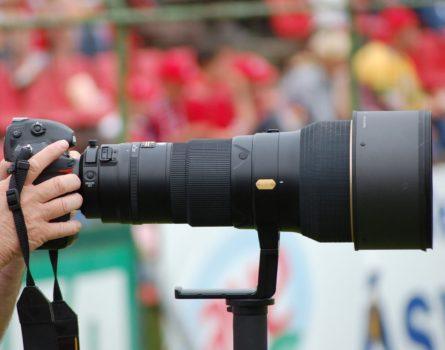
x=38, y=129
x=92, y=143
x=89, y=175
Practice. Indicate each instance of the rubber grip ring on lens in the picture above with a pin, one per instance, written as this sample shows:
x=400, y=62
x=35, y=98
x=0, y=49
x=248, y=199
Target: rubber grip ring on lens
x=208, y=177
x=178, y=189
x=134, y=161
x=324, y=182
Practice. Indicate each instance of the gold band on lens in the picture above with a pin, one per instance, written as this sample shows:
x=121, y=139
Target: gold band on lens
x=351, y=211
x=265, y=184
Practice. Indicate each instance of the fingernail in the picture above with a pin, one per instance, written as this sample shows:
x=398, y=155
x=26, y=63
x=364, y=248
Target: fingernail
x=63, y=143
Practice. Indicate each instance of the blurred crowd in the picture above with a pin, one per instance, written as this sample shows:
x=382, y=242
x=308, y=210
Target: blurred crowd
x=201, y=84
x=206, y=89
x=401, y=62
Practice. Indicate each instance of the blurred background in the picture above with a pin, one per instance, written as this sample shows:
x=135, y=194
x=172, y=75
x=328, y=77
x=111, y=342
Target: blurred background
x=171, y=70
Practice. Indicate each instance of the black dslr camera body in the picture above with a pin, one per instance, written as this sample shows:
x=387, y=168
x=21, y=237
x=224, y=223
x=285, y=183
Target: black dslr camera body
x=367, y=180
x=39, y=133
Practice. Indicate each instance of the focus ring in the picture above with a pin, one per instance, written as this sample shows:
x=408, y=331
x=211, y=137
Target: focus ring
x=324, y=181
x=208, y=177
x=134, y=165
x=178, y=183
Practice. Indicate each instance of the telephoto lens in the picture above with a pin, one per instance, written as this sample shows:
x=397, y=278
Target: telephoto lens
x=365, y=180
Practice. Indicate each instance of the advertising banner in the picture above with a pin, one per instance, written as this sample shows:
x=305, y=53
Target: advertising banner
x=329, y=296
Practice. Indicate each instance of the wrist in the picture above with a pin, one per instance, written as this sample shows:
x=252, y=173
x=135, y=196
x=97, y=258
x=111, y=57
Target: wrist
x=13, y=270
x=9, y=250
x=9, y=245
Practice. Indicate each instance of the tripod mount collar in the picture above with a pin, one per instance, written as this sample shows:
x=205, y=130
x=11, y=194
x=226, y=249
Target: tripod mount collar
x=269, y=238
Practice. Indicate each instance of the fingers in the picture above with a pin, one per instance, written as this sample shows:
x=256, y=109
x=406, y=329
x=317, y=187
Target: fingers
x=44, y=158
x=63, y=205
x=56, y=187
x=75, y=154
x=63, y=229
x=4, y=165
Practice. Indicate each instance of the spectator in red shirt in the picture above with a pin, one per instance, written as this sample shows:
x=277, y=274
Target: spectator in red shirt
x=9, y=99
x=219, y=102
x=66, y=90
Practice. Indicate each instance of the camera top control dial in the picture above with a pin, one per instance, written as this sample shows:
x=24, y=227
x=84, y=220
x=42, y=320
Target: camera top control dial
x=38, y=133
x=38, y=129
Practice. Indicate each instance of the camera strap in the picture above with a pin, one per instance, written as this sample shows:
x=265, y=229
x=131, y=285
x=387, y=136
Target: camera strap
x=64, y=317
x=45, y=325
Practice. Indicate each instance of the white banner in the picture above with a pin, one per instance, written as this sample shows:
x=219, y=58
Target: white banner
x=329, y=296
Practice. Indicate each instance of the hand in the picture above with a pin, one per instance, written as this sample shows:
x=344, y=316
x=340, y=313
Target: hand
x=40, y=204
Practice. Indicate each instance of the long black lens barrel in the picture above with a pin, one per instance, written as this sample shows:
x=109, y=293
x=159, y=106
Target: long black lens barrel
x=201, y=182
x=366, y=181
x=127, y=182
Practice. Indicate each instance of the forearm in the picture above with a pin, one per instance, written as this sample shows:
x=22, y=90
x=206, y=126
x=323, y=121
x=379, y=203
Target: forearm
x=10, y=282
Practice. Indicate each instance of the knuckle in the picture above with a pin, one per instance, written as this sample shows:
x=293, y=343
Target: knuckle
x=79, y=200
x=75, y=201
x=27, y=198
x=35, y=215
x=34, y=165
x=64, y=205
x=75, y=181
x=60, y=228
x=76, y=225
x=41, y=193
x=59, y=184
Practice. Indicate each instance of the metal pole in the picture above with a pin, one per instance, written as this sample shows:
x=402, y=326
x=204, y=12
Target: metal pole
x=168, y=13
x=355, y=44
x=121, y=50
x=249, y=323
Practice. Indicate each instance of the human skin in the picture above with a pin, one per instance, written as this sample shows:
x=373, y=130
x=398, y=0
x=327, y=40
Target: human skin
x=40, y=204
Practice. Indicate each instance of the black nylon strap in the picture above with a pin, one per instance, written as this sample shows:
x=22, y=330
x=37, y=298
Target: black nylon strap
x=18, y=172
x=45, y=325
x=37, y=320
x=35, y=311
x=54, y=257
x=64, y=318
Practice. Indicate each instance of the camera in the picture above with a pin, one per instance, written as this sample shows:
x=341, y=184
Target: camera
x=37, y=134
x=365, y=180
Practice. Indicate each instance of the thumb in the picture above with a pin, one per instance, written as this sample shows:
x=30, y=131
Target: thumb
x=4, y=165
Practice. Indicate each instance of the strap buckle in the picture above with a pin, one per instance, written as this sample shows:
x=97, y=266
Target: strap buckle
x=13, y=199
x=11, y=170
x=19, y=165
x=23, y=164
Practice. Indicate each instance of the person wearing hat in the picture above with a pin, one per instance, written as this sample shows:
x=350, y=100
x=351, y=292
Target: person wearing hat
x=316, y=82
x=384, y=66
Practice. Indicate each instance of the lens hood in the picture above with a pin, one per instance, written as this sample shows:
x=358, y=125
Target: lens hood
x=391, y=180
